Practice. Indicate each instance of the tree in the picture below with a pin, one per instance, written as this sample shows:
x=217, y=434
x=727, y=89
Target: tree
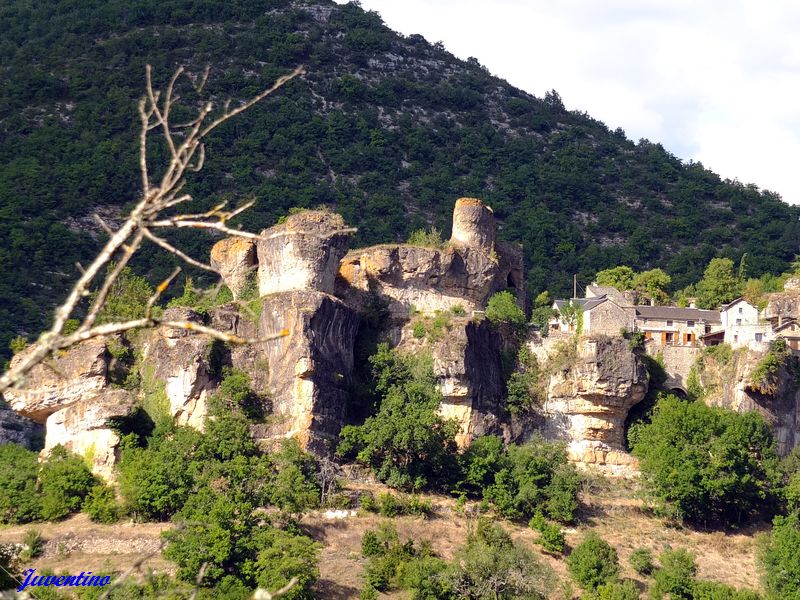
x=407, y=443
x=653, y=284
x=621, y=277
x=707, y=464
x=779, y=558
x=593, y=562
x=675, y=575
x=718, y=285
x=152, y=213
x=502, y=309
x=492, y=566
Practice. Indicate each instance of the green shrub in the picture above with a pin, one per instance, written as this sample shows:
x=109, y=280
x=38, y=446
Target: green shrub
x=34, y=545
x=552, y=538
x=223, y=532
x=156, y=481
x=593, y=562
x=18, y=344
x=615, y=590
x=295, y=488
x=502, y=309
x=492, y=565
x=458, y=310
x=127, y=299
x=407, y=443
x=101, y=505
x=779, y=558
x=64, y=481
x=427, y=239
x=675, y=575
x=367, y=502
x=641, y=561
x=711, y=590
x=675, y=447
x=419, y=330
x=235, y=394
x=535, y=476
x=19, y=469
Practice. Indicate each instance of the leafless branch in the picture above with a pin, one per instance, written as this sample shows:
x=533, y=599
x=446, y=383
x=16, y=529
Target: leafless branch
x=186, y=154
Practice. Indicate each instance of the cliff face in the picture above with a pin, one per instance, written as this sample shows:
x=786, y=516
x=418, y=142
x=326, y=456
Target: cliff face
x=300, y=293
x=729, y=385
x=589, y=398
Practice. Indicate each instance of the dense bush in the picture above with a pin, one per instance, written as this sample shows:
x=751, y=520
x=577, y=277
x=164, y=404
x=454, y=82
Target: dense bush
x=675, y=447
x=101, y=505
x=675, y=574
x=593, y=562
x=503, y=309
x=491, y=566
x=522, y=479
x=779, y=558
x=615, y=590
x=64, y=481
x=19, y=469
x=407, y=444
x=551, y=536
x=8, y=567
x=641, y=561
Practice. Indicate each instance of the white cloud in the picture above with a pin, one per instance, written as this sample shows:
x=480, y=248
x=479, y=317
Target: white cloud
x=712, y=80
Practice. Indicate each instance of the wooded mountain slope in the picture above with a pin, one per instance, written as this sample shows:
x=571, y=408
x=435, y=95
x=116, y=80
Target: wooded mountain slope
x=386, y=129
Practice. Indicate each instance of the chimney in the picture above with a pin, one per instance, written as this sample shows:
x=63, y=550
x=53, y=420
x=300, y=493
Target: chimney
x=692, y=303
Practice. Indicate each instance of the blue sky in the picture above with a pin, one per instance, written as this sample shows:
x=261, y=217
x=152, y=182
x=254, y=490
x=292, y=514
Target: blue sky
x=713, y=81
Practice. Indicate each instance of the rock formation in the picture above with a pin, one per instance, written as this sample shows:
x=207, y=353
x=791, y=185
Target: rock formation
x=235, y=260
x=589, y=398
x=465, y=272
x=73, y=397
x=302, y=253
x=728, y=385
x=468, y=368
x=16, y=429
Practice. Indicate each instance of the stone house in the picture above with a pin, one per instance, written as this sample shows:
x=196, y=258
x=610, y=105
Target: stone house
x=675, y=326
x=744, y=327
x=601, y=316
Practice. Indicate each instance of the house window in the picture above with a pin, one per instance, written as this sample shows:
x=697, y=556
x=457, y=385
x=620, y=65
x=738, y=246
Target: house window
x=759, y=337
x=735, y=338
x=669, y=323
x=690, y=323
x=738, y=321
x=670, y=338
x=741, y=310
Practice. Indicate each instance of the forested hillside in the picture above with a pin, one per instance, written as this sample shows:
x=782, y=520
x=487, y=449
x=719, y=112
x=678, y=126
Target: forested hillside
x=386, y=130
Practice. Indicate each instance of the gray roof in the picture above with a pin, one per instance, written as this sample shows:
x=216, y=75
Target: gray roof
x=584, y=303
x=675, y=313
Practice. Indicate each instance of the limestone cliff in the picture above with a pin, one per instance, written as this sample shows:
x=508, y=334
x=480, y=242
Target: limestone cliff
x=589, y=397
x=727, y=382
x=467, y=366
x=464, y=272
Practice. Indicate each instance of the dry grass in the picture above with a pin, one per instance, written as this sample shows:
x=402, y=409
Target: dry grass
x=611, y=509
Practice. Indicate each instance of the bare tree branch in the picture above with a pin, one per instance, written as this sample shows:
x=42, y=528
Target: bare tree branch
x=155, y=110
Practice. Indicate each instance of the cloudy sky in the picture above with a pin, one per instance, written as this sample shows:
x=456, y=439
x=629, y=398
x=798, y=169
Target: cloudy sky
x=714, y=81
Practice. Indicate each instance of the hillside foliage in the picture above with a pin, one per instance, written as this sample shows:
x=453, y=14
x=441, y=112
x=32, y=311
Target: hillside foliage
x=385, y=129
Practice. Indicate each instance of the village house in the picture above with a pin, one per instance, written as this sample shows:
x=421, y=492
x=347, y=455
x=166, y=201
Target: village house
x=675, y=326
x=744, y=327
x=600, y=315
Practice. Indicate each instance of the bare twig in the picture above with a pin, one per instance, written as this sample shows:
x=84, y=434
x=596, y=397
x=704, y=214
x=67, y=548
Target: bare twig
x=186, y=154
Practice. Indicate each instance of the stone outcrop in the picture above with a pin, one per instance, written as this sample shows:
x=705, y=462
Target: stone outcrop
x=77, y=373
x=235, y=260
x=469, y=374
x=465, y=272
x=302, y=253
x=85, y=429
x=75, y=401
x=589, y=398
x=181, y=360
x=16, y=429
x=728, y=385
